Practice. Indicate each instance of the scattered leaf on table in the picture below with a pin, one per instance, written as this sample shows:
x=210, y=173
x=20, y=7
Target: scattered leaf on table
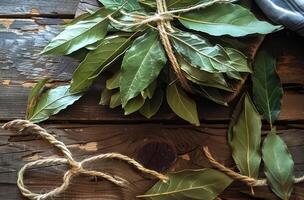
x=33, y=97
x=246, y=140
x=201, y=54
x=182, y=104
x=52, y=102
x=226, y=19
x=267, y=88
x=78, y=35
x=141, y=65
x=153, y=104
x=203, y=184
x=97, y=61
x=279, y=166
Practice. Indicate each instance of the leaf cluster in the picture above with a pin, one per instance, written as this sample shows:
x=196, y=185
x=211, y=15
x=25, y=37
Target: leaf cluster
x=123, y=37
x=245, y=130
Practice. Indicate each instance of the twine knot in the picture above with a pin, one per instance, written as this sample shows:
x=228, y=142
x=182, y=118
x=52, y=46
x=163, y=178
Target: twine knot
x=75, y=168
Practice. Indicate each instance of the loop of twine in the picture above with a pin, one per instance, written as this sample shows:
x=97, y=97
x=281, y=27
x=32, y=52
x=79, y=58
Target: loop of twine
x=239, y=177
x=75, y=168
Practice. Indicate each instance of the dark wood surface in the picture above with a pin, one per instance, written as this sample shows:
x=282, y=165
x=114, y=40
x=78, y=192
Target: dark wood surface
x=89, y=129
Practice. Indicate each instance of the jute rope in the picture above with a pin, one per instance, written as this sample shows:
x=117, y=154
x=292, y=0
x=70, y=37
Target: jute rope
x=236, y=176
x=75, y=168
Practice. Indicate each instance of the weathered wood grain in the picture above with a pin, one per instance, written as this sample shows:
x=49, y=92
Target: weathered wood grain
x=20, y=43
x=134, y=140
x=30, y=8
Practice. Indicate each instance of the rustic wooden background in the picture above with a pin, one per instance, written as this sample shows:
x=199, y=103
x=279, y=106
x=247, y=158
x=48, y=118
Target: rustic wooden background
x=162, y=143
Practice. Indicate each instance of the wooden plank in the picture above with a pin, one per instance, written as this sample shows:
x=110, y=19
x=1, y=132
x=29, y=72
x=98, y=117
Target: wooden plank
x=20, y=43
x=30, y=8
x=180, y=147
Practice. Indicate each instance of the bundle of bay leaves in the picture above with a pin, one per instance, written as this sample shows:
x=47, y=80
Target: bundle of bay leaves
x=156, y=51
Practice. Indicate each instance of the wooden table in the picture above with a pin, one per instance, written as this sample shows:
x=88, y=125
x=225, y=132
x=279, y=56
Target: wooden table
x=162, y=143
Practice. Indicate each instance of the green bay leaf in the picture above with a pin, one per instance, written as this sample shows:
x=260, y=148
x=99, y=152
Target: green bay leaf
x=201, y=54
x=141, y=65
x=213, y=94
x=33, y=97
x=52, y=102
x=115, y=100
x=97, y=60
x=80, y=34
x=245, y=140
x=267, y=88
x=130, y=5
x=226, y=19
x=152, y=104
x=113, y=82
x=134, y=105
x=182, y=104
x=105, y=97
x=278, y=165
x=149, y=91
x=202, y=184
x=174, y=4
x=201, y=77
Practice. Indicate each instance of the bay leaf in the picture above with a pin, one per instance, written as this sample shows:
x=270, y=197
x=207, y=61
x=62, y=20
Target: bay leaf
x=141, y=65
x=226, y=19
x=278, y=165
x=130, y=5
x=78, y=19
x=174, y=4
x=213, y=94
x=134, y=105
x=246, y=140
x=201, y=54
x=266, y=85
x=52, y=102
x=115, y=100
x=201, y=77
x=80, y=34
x=113, y=82
x=201, y=184
x=33, y=97
x=182, y=104
x=153, y=104
x=105, y=97
x=98, y=60
x=149, y=91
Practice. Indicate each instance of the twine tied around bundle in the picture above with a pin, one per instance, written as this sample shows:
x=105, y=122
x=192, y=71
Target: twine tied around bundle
x=162, y=19
x=75, y=168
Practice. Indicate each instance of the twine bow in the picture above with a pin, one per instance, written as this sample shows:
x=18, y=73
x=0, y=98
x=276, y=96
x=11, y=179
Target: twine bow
x=75, y=168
